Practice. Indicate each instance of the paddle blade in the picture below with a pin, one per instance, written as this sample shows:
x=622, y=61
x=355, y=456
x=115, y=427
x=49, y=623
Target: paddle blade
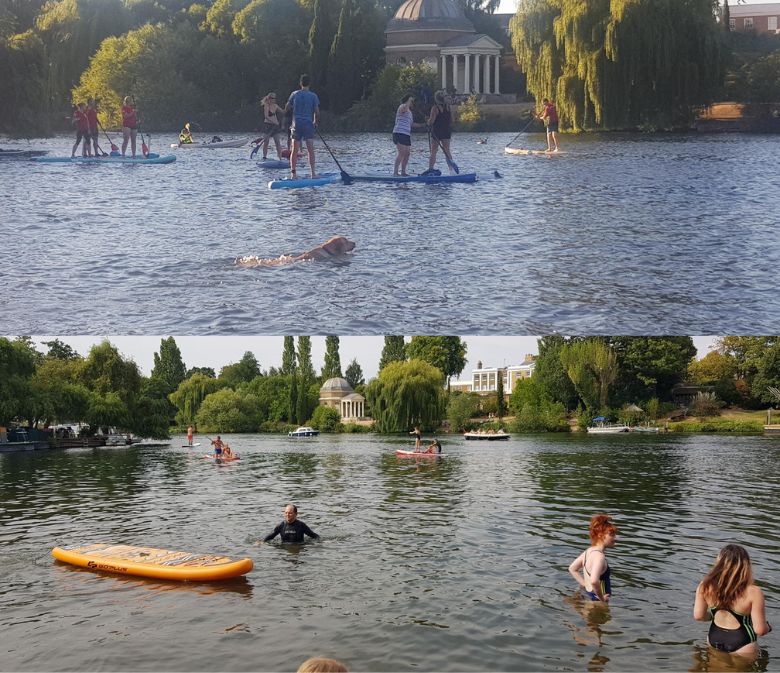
x=114, y=148
x=453, y=165
x=346, y=178
x=254, y=151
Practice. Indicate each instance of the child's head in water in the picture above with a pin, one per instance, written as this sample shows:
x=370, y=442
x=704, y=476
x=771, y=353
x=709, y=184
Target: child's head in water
x=322, y=665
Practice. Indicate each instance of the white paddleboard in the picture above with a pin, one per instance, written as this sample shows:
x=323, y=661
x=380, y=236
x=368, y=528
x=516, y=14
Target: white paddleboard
x=525, y=152
x=187, y=446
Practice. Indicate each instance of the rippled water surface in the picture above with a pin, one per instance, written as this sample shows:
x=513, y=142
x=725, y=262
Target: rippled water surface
x=453, y=564
x=622, y=234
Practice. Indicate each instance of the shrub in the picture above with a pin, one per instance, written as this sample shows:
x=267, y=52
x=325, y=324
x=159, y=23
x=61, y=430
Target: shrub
x=326, y=419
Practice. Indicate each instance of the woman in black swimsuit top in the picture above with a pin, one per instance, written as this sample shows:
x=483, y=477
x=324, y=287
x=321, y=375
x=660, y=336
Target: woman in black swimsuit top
x=735, y=605
x=440, y=123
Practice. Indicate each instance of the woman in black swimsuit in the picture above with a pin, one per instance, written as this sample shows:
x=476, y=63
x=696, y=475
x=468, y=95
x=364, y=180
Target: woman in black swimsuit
x=735, y=605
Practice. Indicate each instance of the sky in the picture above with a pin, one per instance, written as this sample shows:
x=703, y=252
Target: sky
x=510, y=6
x=218, y=351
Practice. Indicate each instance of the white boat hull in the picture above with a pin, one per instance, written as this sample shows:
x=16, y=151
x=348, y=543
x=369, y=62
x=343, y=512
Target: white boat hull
x=608, y=430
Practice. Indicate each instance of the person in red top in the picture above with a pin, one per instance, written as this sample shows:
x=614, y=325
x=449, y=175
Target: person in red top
x=549, y=116
x=82, y=128
x=92, y=120
x=129, y=125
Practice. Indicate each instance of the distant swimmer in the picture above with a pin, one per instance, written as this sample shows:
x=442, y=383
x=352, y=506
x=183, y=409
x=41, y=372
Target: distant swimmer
x=291, y=529
x=334, y=248
x=482, y=141
x=595, y=575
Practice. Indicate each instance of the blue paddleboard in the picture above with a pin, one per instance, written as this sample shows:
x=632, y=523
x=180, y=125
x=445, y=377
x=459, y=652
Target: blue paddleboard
x=140, y=160
x=273, y=163
x=290, y=183
x=429, y=179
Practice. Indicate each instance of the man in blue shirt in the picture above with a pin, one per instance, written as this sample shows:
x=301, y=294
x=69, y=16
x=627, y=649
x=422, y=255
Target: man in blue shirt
x=305, y=106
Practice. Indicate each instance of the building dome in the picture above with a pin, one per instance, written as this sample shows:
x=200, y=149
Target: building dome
x=429, y=14
x=337, y=385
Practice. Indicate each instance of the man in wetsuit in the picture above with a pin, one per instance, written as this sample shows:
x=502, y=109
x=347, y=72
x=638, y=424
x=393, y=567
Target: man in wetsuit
x=291, y=529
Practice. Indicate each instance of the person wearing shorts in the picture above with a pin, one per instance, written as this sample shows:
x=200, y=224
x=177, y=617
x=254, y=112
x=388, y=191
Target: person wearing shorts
x=549, y=116
x=305, y=106
x=402, y=134
x=82, y=129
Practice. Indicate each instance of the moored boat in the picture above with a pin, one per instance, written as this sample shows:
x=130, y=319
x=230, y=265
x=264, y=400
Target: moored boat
x=608, y=429
x=486, y=435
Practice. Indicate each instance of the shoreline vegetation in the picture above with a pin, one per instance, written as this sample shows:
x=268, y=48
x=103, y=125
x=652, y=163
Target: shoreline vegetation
x=653, y=384
x=209, y=63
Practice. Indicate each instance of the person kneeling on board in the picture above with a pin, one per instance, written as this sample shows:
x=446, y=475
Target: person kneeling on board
x=291, y=529
x=434, y=447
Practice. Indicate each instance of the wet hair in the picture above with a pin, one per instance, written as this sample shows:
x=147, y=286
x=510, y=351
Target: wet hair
x=600, y=526
x=322, y=665
x=729, y=578
x=305, y=80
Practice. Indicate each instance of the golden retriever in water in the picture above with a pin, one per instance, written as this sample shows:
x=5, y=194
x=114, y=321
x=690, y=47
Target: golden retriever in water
x=333, y=248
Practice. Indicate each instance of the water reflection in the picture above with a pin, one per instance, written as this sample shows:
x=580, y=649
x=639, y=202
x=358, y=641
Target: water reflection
x=707, y=659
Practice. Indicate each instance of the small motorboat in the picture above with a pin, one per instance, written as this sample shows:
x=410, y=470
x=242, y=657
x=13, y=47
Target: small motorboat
x=20, y=154
x=488, y=436
x=303, y=431
x=603, y=427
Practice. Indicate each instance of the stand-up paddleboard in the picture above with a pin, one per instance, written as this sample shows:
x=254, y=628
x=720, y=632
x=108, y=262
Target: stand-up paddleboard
x=150, y=562
x=294, y=183
x=524, y=152
x=235, y=142
x=191, y=446
x=273, y=163
x=137, y=160
x=430, y=179
x=417, y=454
x=220, y=459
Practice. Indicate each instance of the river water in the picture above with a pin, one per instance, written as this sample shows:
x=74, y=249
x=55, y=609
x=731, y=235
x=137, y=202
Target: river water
x=452, y=564
x=620, y=235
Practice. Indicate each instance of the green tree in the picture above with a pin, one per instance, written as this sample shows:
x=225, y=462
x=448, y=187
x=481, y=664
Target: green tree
x=550, y=374
x=332, y=366
x=107, y=410
x=747, y=351
x=243, y=371
x=229, y=411
x=220, y=17
x=447, y=353
x=500, y=401
x=461, y=408
x=714, y=366
x=326, y=419
x=151, y=414
x=623, y=63
x=305, y=366
x=168, y=365
x=344, y=84
x=292, y=409
x=288, y=356
x=189, y=396
x=321, y=35
x=394, y=350
x=206, y=371
x=59, y=350
x=17, y=366
x=106, y=371
x=406, y=394
x=592, y=367
x=527, y=392
x=273, y=397
x=354, y=374
x=767, y=375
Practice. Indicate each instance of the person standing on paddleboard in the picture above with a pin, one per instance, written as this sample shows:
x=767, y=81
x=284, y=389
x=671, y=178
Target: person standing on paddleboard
x=92, y=120
x=595, y=575
x=305, y=106
x=549, y=116
x=291, y=529
x=417, y=437
x=129, y=125
x=82, y=129
x=190, y=435
x=272, y=126
x=440, y=123
x=218, y=446
x=402, y=134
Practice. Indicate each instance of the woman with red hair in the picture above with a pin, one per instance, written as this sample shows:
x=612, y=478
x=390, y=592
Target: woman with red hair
x=594, y=577
x=735, y=605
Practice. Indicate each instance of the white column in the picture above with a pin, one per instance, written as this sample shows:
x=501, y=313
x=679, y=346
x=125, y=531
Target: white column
x=476, y=73
x=498, y=59
x=467, y=74
x=443, y=72
x=486, y=74
x=455, y=81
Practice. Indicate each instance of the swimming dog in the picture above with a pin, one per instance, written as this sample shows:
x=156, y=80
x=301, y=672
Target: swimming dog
x=333, y=248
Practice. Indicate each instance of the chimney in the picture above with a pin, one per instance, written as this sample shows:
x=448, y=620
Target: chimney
x=479, y=364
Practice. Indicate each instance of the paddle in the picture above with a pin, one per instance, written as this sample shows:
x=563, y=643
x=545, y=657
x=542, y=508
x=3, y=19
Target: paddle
x=258, y=144
x=346, y=178
x=114, y=148
x=144, y=148
x=450, y=162
x=531, y=121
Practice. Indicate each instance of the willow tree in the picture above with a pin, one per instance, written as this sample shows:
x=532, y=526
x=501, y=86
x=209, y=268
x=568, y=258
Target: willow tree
x=620, y=63
x=190, y=394
x=406, y=394
x=592, y=367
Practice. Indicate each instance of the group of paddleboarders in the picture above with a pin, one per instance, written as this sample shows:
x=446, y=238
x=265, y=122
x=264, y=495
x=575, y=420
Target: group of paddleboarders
x=433, y=447
x=85, y=119
x=727, y=596
x=222, y=451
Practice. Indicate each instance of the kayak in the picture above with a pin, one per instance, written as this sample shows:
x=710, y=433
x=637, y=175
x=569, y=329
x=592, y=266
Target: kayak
x=273, y=163
x=294, y=183
x=21, y=154
x=417, y=454
x=235, y=142
x=151, y=562
x=516, y=150
x=386, y=177
x=138, y=160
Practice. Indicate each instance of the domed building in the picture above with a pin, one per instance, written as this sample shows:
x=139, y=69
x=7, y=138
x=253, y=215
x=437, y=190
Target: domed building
x=337, y=393
x=437, y=32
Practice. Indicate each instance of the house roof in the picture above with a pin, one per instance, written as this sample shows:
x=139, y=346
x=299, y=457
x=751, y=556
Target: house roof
x=429, y=15
x=764, y=9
